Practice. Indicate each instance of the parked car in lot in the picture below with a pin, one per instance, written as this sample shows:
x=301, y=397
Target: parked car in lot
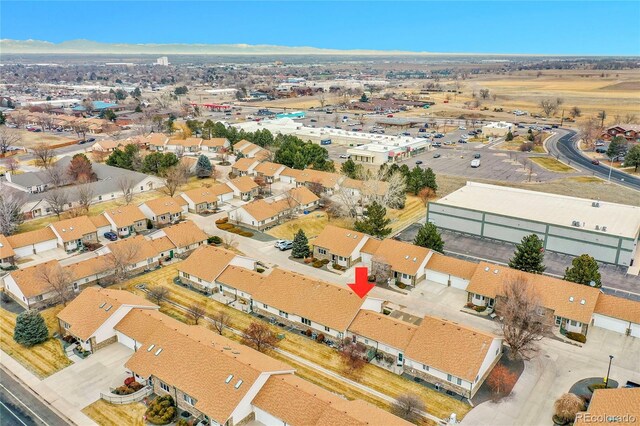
x=599, y=143
x=437, y=144
x=283, y=245
x=476, y=155
x=313, y=120
x=475, y=163
x=462, y=141
x=601, y=150
x=438, y=135
x=111, y=236
x=419, y=162
x=91, y=140
x=347, y=156
x=436, y=155
x=389, y=115
x=462, y=128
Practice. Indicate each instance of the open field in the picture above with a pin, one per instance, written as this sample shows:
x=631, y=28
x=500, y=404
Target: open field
x=43, y=360
x=30, y=139
x=106, y=414
x=372, y=376
x=552, y=164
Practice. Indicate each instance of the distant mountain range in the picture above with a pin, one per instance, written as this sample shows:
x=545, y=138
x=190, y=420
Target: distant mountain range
x=94, y=47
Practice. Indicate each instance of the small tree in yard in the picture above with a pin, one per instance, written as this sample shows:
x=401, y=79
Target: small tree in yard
x=567, y=407
x=353, y=355
x=509, y=137
x=375, y=223
x=584, y=270
x=616, y=146
x=632, y=159
x=300, y=245
x=408, y=406
x=529, y=255
x=522, y=326
x=220, y=321
x=501, y=380
x=204, y=169
x=429, y=237
x=196, y=311
x=259, y=336
x=30, y=329
x=158, y=294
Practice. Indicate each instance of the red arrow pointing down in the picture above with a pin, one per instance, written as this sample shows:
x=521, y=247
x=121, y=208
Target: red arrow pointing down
x=362, y=286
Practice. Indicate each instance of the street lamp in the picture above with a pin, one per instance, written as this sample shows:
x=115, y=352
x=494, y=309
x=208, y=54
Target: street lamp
x=606, y=383
x=610, y=170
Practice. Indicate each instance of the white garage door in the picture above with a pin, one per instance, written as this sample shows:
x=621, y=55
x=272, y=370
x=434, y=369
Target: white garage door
x=267, y=419
x=437, y=277
x=459, y=283
x=24, y=251
x=46, y=245
x=635, y=330
x=126, y=340
x=609, y=323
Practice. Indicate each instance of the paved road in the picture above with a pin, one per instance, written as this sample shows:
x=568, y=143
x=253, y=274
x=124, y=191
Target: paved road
x=18, y=406
x=565, y=147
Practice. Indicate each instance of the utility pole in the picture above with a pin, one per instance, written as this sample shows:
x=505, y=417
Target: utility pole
x=562, y=119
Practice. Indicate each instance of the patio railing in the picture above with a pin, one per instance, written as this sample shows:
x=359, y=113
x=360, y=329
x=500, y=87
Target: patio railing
x=127, y=399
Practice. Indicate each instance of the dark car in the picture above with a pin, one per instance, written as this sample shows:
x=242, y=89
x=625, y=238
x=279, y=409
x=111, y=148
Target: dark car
x=462, y=141
x=82, y=142
x=601, y=149
x=476, y=155
x=419, y=162
x=91, y=140
x=111, y=236
x=596, y=162
x=436, y=155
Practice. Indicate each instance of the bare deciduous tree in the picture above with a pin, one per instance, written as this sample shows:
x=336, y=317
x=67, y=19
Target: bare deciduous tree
x=158, y=294
x=174, y=178
x=567, y=407
x=85, y=196
x=56, y=174
x=220, y=321
x=408, y=406
x=522, y=324
x=11, y=164
x=44, y=156
x=484, y=93
x=353, y=355
x=126, y=186
x=548, y=106
x=229, y=240
x=57, y=198
x=575, y=112
x=123, y=256
x=259, y=336
x=58, y=280
x=589, y=131
x=11, y=203
x=8, y=138
x=196, y=311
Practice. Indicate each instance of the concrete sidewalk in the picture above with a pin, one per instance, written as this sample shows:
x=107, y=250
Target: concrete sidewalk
x=53, y=400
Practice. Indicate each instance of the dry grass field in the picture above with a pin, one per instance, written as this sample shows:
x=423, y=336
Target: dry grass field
x=107, y=414
x=42, y=360
x=552, y=164
x=30, y=139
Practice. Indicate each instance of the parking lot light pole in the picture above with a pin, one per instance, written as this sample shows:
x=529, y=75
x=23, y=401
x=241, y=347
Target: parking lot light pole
x=610, y=169
x=606, y=382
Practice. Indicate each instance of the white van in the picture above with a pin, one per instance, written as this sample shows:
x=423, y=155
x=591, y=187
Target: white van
x=475, y=163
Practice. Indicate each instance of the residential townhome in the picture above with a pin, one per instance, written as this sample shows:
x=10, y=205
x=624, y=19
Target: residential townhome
x=135, y=254
x=107, y=145
x=214, y=145
x=339, y=245
x=269, y=171
x=250, y=150
x=201, y=200
x=383, y=334
x=617, y=314
x=328, y=181
x=157, y=141
x=92, y=316
x=164, y=247
x=185, y=236
x=364, y=190
x=306, y=303
x=452, y=356
x=7, y=254
x=164, y=210
x=101, y=223
x=244, y=187
x=239, y=283
x=450, y=271
x=263, y=214
x=74, y=233
x=564, y=304
x=611, y=406
x=205, y=264
x=306, y=200
x=126, y=220
x=28, y=286
x=187, y=146
x=402, y=262
x=244, y=166
x=29, y=243
x=92, y=271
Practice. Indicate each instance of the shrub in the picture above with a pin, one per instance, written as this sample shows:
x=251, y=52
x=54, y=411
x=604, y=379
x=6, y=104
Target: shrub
x=308, y=260
x=325, y=261
x=161, y=411
x=136, y=386
x=470, y=305
x=246, y=234
x=225, y=226
x=222, y=220
x=259, y=270
x=480, y=308
x=401, y=284
x=182, y=422
x=595, y=386
x=129, y=380
x=308, y=332
x=371, y=278
x=338, y=267
x=317, y=264
x=578, y=337
x=214, y=240
x=320, y=338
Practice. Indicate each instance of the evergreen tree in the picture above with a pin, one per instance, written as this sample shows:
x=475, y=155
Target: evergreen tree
x=632, y=159
x=509, y=137
x=584, y=269
x=300, y=245
x=364, y=98
x=616, y=146
x=529, y=255
x=203, y=167
x=376, y=222
x=348, y=168
x=30, y=329
x=429, y=237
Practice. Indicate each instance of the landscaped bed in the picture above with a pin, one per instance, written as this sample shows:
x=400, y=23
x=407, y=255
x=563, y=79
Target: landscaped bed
x=107, y=414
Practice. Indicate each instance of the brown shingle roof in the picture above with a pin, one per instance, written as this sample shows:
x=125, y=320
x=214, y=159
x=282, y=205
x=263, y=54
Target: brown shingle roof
x=262, y=209
x=184, y=234
x=124, y=216
x=133, y=249
x=206, y=262
x=243, y=164
x=303, y=195
x=163, y=205
x=215, y=142
x=268, y=168
x=326, y=179
x=89, y=267
x=611, y=403
x=162, y=244
x=449, y=347
x=5, y=248
x=564, y=297
x=74, y=228
x=618, y=307
x=383, y=329
x=157, y=139
x=188, y=142
x=241, y=279
x=99, y=221
x=327, y=304
x=244, y=184
x=339, y=241
x=450, y=265
x=207, y=195
x=31, y=237
x=30, y=281
x=402, y=257
x=87, y=312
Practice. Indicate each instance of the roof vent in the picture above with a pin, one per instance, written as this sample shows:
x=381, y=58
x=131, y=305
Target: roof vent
x=102, y=305
x=570, y=298
x=238, y=384
x=349, y=234
x=486, y=268
x=406, y=257
x=495, y=271
x=582, y=302
x=71, y=228
x=415, y=258
x=158, y=352
x=150, y=348
x=228, y=379
x=108, y=308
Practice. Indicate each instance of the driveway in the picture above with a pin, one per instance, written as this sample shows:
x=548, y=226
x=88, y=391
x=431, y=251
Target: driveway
x=81, y=383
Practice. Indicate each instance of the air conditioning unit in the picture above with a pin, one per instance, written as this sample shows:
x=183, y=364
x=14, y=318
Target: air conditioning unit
x=597, y=227
x=576, y=223
x=604, y=229
x=595, y=204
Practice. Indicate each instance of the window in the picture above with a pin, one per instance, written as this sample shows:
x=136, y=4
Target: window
x=449, y=378
x=264, y=305
x=66, y=326
x=322, y=251
x=188, y=399
x=75, y=286
x=164, y=387
x=425, y=367
x=476, y=380
x=573, y=323
x=326, y=328
x=305, y=321
x=142, y=188
x=406, y=276
x=38, y=298
x=284, y=314
x=459, y=381
x=366, y=341
x=99, y=197
x=184, y=274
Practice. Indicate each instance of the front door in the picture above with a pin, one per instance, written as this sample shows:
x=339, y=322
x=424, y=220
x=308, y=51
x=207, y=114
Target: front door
x=400, y=359
x=170, y=254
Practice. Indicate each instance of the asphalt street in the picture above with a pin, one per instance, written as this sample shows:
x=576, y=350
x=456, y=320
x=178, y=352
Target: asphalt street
x=18, y=406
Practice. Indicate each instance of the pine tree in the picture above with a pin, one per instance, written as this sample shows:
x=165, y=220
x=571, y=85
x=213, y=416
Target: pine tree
x=429, y=237
x=509, y=137
x=30, y=329
x=348, y=168
x=529, y=255
x=203, y=167
x=300, y=245
x=375, y=223
x=584, y=269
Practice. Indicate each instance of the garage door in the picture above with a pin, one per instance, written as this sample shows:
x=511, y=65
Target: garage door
x=437, y=277
x=126, y=340
x=459, y=283
x=267, y=419
x=635, y=330
x=24, y=251
x=46, y=246
x=609, y=323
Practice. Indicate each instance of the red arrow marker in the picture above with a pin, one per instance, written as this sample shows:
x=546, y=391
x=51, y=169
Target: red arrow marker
x=362, y=286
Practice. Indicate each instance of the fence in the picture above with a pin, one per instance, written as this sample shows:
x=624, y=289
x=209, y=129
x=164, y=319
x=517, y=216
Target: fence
x=127, y=399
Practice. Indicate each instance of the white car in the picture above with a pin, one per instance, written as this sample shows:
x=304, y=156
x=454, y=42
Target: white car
x=462, y=128
x=347, y=156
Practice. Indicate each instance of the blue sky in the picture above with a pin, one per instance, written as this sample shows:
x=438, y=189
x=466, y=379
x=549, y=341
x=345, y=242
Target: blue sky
x=543, y=27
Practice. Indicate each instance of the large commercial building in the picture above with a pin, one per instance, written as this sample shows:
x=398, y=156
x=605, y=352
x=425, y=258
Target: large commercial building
x=609, y=232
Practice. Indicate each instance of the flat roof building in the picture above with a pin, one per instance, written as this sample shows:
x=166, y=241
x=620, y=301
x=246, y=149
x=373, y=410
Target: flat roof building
x=607, y=231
